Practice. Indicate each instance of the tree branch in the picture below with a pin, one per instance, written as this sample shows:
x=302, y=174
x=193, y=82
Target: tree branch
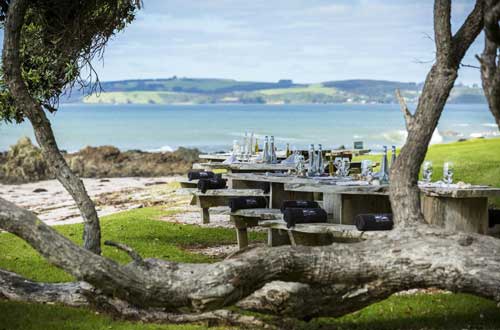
x=442, y=31
x=491, y=18
x=133, y=254
x=418, y=258
x=404, y=109
x=468, y=32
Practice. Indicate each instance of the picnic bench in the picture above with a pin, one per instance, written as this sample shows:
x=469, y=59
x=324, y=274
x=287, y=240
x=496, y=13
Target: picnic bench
x=220, y=197
x=188, y=184
x=244, y=167
x=313, y=234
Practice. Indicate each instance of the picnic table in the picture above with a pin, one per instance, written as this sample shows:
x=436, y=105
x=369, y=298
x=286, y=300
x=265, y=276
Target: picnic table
x=454, y=208
x=244, y=167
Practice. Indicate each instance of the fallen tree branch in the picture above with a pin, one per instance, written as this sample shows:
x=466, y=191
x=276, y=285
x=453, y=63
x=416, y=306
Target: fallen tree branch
x=363, y=272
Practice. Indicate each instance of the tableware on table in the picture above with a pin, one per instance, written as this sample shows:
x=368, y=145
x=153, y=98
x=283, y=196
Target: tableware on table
x=320, y=164
x=427, y=171
x=339, y=165
x=366, y=168
x=346, y=165
x=448, y=172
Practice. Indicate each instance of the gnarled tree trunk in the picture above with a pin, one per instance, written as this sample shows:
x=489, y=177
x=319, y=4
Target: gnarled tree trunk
x=490, y=71
x=42, y=128
x=450, y=50
x=347, y=277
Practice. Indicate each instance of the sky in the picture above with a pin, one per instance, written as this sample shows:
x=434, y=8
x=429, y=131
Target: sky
x=267, y=40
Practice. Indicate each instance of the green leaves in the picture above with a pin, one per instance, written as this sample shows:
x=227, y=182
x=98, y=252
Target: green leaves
x=59, y=40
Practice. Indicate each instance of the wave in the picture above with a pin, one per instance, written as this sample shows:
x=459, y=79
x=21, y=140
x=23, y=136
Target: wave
x=162, y=149
x=462, y=125
x=399, y=137
x=489, y=125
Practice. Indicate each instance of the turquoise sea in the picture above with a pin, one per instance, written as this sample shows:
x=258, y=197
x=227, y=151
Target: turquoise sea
x=214, y=127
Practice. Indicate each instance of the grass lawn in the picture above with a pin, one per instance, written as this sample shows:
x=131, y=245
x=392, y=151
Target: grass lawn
x=476, y=161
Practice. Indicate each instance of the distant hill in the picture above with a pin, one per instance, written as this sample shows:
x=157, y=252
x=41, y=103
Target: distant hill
x=201, y=91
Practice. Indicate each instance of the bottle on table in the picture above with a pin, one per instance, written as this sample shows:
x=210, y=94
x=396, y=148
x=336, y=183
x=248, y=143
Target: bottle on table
x=320, y=164
x=312, y=163
x=393, y=156
x=250, y=144
x=272, y=153
x=265, y=155
x=288, y=152
x=256, y=146
x=331, y=167
x=384, y=168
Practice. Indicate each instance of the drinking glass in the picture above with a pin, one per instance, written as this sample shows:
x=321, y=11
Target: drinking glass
x=427, y=171
x=346, y=165
x=448, y=172
x=339, y=165
x=366, y=168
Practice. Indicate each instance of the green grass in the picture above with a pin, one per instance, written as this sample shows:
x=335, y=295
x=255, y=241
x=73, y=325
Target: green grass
x=476, y=161
x=22, y=316
x=136, y=228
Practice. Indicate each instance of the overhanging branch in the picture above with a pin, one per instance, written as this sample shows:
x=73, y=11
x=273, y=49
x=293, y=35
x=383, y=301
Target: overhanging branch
x=404, y=109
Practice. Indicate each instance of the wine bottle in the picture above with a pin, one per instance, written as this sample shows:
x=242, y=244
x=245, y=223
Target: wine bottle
x=331, y=167
x=320, y=165
x=311, y=161
x=256, y=146
x=288, y=153
x=265, y=155
x=393, y=157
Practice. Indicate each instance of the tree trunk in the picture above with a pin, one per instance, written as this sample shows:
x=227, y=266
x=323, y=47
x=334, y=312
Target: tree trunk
x=490, y=72
x=351, y=275
x=42, y=127
x=404, y=192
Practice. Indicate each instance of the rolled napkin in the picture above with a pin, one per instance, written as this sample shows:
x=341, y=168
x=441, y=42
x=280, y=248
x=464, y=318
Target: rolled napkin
x=370, y=222
x=252, y=202
x=494, y=217
x=292, y=216
x=213, y=183
x=196, y=175
x=300, y=204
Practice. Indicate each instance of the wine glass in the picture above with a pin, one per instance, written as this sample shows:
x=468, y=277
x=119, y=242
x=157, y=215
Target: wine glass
x=427, y=171
x=448, y=172
x=339, y=165
x=366, y=168
x=346, y=165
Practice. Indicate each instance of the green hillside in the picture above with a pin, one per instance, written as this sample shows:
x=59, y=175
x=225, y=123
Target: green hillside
x=203, y=91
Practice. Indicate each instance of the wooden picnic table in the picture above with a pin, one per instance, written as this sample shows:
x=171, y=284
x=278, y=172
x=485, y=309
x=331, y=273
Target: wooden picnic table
x=453, y=208
x=244, y=167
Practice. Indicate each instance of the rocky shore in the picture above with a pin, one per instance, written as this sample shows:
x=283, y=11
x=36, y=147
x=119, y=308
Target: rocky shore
x=24, y=163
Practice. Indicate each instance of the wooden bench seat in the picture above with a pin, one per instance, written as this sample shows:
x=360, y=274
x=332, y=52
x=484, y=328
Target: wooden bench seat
x=188, y=184
x=302, y=234
x=220, y=197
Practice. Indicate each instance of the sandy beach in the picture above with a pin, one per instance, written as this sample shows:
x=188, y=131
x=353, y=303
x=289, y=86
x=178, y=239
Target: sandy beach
x=53, y=205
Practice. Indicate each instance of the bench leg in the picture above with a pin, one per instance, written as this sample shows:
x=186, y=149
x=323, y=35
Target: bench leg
x=277, y=237
x=205, y=215
x=242, y=237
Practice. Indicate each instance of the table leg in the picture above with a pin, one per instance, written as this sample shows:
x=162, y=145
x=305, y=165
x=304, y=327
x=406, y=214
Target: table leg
x=205, y=215
x=277, y=237
x=241, y=232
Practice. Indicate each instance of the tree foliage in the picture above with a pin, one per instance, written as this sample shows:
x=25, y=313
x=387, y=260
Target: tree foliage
x=59, y=40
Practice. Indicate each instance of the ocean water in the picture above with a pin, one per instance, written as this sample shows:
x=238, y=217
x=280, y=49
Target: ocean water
x=214, y=127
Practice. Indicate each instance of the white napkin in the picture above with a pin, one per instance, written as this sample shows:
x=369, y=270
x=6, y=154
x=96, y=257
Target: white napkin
x=290, y=160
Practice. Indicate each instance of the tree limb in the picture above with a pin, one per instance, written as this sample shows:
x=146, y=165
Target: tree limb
x=133, y=254
x=404, y=109
x=417, y=258
x=442, y=31
x=468, y=32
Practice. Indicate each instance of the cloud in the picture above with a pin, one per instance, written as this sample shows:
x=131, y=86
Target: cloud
x=307, y=40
